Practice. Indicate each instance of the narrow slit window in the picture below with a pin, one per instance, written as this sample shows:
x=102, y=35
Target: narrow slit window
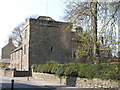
x=51, y=48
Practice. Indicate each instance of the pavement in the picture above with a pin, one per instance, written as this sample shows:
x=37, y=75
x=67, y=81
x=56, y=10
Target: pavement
x=33, y=81
x=45, y=84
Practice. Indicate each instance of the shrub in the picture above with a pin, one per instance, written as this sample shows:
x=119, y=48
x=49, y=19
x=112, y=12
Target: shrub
x=103, y=71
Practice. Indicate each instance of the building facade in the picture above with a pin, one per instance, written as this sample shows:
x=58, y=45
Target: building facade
x=6, y=50
x=44, y=39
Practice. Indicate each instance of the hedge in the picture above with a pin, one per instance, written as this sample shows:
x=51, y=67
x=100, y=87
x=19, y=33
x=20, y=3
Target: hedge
x=103, y=71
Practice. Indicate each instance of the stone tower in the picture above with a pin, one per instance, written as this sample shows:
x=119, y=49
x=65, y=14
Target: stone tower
x=44, y=39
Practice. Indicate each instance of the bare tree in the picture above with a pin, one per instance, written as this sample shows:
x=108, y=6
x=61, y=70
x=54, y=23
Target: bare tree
x=97, y=18
x=17, y=32
x=17, y=35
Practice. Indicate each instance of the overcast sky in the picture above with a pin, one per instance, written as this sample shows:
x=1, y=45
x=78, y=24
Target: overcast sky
x=14, y=12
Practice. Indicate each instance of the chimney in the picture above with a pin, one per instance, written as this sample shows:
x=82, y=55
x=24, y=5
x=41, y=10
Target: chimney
x=10, y=40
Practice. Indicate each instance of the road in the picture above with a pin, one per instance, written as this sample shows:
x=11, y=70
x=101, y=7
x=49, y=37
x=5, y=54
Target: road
x=18, y=85
x=6, y=84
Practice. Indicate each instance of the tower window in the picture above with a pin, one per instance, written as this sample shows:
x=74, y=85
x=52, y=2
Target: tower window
x=51, y=48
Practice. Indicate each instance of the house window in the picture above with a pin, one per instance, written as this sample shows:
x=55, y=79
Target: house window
x=11, y=57
x=25, y=33
x=15, y=56
x=73, y=54
x=24, y=49
x=18, y=55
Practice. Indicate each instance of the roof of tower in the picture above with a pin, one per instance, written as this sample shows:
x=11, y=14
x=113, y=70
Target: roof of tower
x=45, y=18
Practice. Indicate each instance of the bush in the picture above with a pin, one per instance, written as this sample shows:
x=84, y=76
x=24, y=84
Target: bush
x=103, y=71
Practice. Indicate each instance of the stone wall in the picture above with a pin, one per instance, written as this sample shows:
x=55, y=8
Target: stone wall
x=49, y=41
x=14, y=73
x=9, y=73
x=77, y=82
x=25, y=47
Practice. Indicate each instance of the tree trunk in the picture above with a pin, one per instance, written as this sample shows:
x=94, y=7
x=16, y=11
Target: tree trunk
x=96, y=46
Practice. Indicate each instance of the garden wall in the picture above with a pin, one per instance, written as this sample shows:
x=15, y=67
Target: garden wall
x=14, y=73
x=77, y=82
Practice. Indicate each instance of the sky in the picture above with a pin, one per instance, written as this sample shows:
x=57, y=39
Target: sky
x=14, y=12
